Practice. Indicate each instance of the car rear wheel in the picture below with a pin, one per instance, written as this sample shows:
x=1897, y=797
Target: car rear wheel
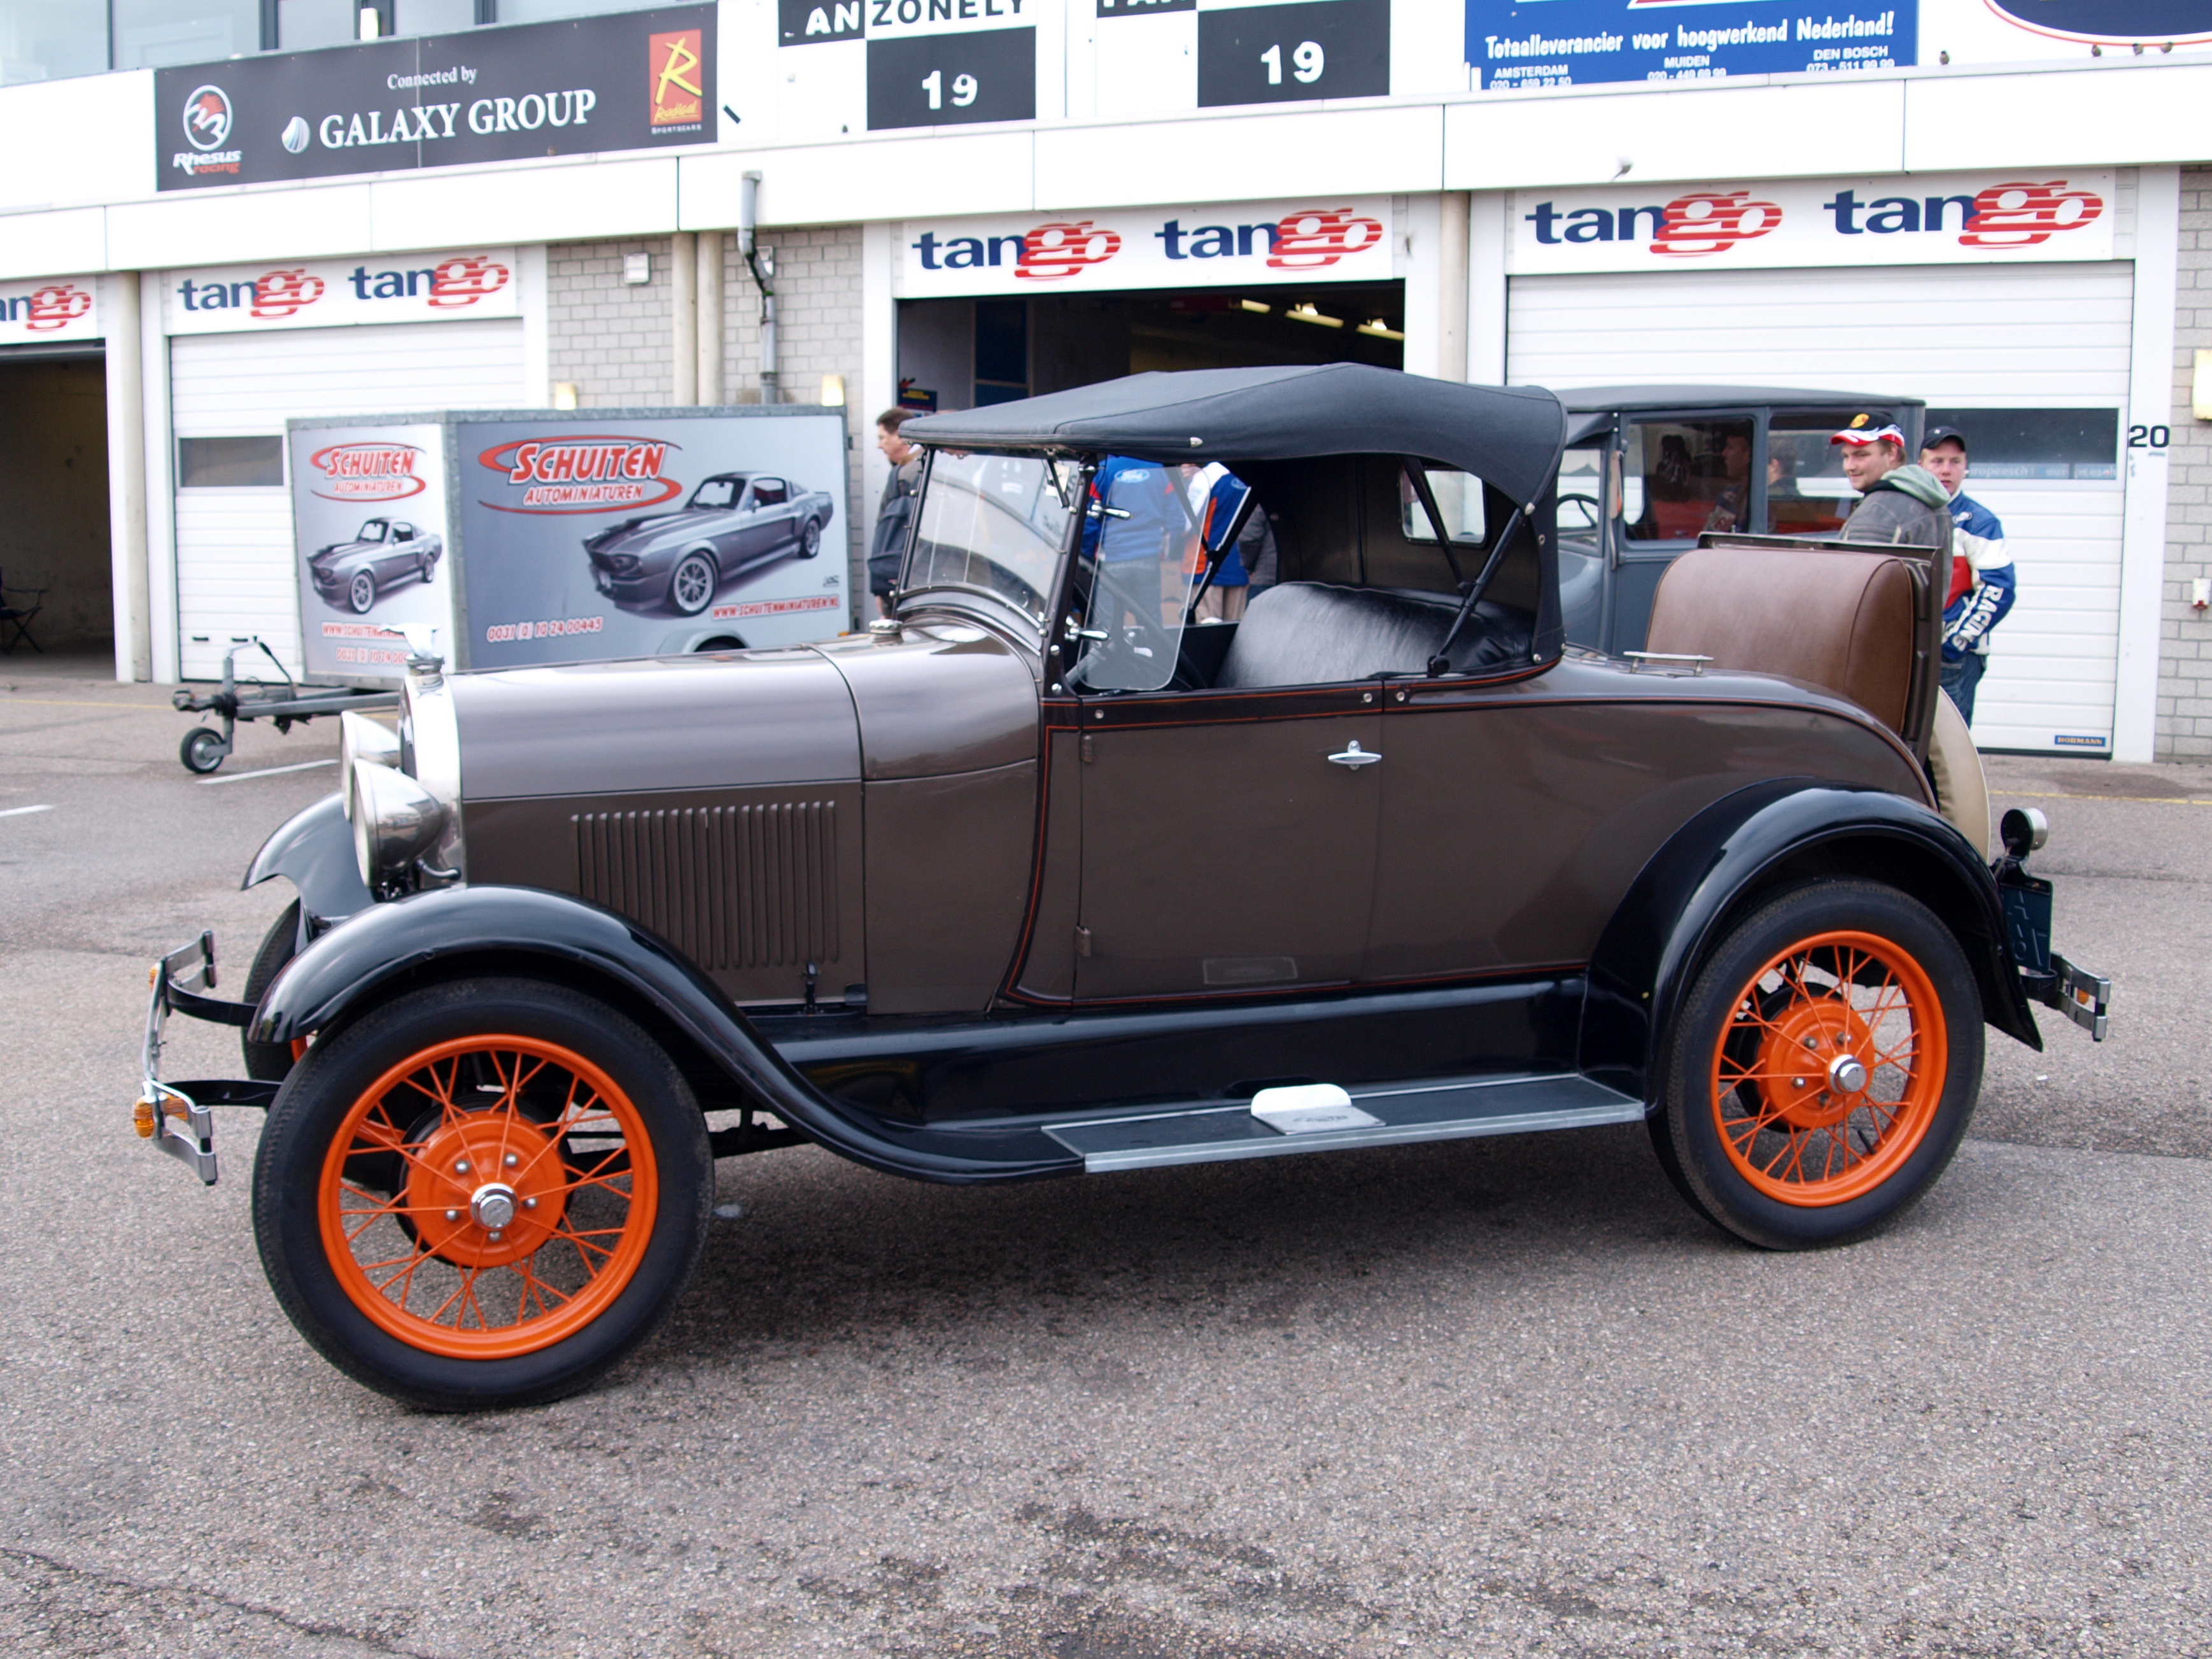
x=1824, y=1068
x=361, y=593
x=810, y=539
x=426, y=567
x=482, y=1195
x=692, y=583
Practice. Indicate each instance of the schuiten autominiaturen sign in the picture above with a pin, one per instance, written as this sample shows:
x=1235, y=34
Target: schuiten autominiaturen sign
x=629, y=81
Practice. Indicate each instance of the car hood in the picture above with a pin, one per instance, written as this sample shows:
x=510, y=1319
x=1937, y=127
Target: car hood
x=659, y=527
x=336, y=553
x=718, y=721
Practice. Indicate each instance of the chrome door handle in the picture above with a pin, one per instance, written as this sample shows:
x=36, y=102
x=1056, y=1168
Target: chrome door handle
x=1354, y=756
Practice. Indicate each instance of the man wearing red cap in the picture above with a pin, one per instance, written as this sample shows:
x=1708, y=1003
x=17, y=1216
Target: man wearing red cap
x=1903, y=505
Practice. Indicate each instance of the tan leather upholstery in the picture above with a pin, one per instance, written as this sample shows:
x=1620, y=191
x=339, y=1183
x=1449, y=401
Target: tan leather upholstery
x=1844, y=622
x=1962, y=789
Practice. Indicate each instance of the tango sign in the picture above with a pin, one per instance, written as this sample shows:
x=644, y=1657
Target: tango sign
x=2041, y=213
x=1245, y=245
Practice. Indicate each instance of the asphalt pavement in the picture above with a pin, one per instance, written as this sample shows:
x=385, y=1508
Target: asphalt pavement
x=1500, y=1397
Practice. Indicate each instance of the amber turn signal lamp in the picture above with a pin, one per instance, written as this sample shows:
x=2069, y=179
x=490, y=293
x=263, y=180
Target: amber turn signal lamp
x=141, y=1118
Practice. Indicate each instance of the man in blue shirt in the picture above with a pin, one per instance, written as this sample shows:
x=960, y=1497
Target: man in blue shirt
x=1983, y=586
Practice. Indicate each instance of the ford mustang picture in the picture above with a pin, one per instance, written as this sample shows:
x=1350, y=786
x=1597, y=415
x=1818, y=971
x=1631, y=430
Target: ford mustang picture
x=387, y=552
x=734, y=523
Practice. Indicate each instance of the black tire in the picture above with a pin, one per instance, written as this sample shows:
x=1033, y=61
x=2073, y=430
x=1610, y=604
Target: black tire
x=720, y=642
x=810, y=539
x=1745, y=1154
x=428, y=566
x=692, y=584
x=361, y=593
x=202, y=750
x=335, y=1080
x=270, y=1062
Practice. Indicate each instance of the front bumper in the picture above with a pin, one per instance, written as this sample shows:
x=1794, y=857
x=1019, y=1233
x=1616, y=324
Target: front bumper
x=176, y=1117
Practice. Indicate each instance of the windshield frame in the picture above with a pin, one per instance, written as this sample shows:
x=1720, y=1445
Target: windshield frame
x=988, y=605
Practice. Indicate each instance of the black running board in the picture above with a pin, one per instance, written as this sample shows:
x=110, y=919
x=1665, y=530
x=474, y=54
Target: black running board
x=1436, y=1110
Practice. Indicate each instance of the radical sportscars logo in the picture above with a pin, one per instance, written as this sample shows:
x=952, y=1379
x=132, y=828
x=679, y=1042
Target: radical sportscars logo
x=581, y=472
x=2119, y=22
x=677, y=93
x=368, y=472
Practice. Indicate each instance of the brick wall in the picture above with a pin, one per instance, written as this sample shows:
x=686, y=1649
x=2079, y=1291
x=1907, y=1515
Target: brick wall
x=818, y=290
x=2184, y=667
x=614, y=341
x=610, y=338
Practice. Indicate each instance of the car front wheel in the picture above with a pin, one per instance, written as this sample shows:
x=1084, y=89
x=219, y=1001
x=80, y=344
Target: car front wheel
x=692, y=584
x=361, y=593
x=1824, y=1068
x=482, y=1195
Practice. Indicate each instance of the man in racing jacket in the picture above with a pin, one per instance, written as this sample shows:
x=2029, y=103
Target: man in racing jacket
x=1983, y=586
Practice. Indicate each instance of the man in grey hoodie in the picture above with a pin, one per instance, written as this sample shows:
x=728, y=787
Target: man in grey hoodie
x=1902, y=506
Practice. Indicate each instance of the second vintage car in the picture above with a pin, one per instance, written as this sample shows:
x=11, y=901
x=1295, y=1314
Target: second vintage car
x=1049, y=877
x=734, y=523
x=383, y=554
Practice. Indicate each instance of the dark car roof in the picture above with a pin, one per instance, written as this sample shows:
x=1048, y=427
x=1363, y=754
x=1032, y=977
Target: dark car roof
x=1592, y=398
x=1508, y=435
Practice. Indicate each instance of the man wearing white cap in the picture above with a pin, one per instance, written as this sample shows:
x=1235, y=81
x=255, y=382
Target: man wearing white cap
x=1903, y=505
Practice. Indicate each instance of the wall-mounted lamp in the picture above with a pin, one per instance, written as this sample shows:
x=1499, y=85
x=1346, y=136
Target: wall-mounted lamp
x=832, y=391
x=2200, y=386
x=637, y=269
x=2200, y=594
x=372, y=22
x=564, y=394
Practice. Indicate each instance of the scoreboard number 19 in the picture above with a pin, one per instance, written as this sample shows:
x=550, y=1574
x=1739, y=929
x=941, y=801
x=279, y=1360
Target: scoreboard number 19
x=937, y=79
x=1277, y=54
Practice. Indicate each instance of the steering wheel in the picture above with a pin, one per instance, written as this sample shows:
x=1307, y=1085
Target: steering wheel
x=1586, y=504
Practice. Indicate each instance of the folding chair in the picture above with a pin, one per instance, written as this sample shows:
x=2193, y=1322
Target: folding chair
x=19, y=617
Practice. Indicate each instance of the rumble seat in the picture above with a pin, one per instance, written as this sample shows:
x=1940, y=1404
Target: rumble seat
x=1320, y=634
x=1844, y=622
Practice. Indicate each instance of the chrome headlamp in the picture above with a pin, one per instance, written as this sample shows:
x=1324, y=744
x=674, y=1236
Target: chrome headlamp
x=362, y=739
x=402, y=794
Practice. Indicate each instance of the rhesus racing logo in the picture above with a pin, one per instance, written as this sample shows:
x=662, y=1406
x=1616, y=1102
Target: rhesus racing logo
x=581, y=472
x=207, y=118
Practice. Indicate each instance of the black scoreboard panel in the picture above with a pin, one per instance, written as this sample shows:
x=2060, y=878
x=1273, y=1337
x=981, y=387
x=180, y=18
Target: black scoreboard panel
x=1282, y=54
x=939, y=80
x=947, y=62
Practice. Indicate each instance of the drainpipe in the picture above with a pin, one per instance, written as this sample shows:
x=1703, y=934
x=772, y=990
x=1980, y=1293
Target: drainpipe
x=682, y=287
x=710, y=316
x=761, y=261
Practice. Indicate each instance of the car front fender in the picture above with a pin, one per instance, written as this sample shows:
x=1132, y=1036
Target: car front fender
x=492, y=930
x=1758, y=840
x=314, y=850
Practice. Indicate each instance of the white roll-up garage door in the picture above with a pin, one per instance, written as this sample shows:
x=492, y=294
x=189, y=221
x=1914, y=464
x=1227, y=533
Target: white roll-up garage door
x=235, y=571
x=1967, y=336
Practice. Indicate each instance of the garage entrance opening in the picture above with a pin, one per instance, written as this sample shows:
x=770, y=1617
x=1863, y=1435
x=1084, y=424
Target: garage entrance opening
x=53, y=495
x=967, y=354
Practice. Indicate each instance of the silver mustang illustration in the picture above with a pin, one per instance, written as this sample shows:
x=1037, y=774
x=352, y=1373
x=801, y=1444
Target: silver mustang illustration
x=734, y=523
x=387, y=552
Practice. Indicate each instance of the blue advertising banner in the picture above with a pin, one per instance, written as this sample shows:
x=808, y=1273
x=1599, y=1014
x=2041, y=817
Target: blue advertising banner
x=1573, y=42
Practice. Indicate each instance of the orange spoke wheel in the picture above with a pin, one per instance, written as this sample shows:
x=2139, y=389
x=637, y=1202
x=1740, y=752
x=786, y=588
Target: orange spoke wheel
x=1826, y=1077
x=488, y=1196
x=1821, y=1068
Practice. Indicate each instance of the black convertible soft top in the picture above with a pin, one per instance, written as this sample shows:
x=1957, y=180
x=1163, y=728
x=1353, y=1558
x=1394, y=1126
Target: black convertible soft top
x=1511, y=436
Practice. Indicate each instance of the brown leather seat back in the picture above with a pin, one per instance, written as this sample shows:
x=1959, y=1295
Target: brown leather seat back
x=1845, y=622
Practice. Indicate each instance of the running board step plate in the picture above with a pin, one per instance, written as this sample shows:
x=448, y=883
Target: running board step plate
x=1423, y=1111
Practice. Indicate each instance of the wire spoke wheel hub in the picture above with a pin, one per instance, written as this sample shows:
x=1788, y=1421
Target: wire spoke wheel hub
x=1829, y=1069
x=488, y=1197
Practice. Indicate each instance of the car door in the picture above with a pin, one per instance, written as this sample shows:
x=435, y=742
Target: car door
x=399, y=557
x=769, y=527
x=1228, y=838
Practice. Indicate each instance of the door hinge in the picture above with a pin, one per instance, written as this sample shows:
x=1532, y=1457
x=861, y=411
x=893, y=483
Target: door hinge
x=1090, y=754
x=1083, y=941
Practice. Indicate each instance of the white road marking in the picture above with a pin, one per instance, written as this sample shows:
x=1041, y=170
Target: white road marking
x=270, y=771
x=18, y=812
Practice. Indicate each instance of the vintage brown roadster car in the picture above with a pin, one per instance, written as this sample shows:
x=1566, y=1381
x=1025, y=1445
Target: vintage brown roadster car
x=1046, y=876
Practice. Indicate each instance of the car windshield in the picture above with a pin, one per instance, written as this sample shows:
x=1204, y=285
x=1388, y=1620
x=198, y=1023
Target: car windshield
x=372, y=532
x=994, y=522
x=717, y=492
x=1139, y=562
